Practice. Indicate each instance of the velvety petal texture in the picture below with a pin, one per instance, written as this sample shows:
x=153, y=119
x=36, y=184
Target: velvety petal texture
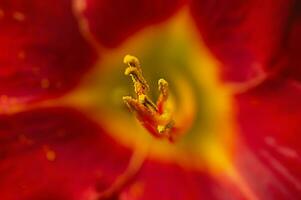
x=269, y=118
x=59, y=153
x=56, y=154
x=246, y=36
x=42, y=51
x=292, y=44
x=167, y=181
x=112, y=21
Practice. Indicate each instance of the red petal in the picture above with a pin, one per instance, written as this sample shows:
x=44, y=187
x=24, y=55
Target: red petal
x=112, y=21
x=292, y=44
x=81, y=157
x=42, y=52
x=270, y=120
x=244, y=35
x=164, y=181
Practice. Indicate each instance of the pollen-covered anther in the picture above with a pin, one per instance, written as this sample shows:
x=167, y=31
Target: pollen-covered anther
x=153, y=116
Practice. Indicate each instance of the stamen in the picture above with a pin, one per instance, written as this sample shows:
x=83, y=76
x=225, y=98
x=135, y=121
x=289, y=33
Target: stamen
x=163, y=89
x=154, y=117
x=134, y=70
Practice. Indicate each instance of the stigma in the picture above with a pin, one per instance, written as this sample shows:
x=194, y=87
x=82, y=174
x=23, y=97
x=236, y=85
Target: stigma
x=154, y=116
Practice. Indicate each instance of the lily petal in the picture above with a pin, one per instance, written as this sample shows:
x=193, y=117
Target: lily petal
x=112, y=21
x=292, y=44
x=269, y=118
x=245, y=36
x=42, y=51
x=167, y=181
x=56, y=153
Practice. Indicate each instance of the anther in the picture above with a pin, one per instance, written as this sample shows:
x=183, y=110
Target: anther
x=132, y=61
x=154, y=117
x=134, y=70
x=163, y=96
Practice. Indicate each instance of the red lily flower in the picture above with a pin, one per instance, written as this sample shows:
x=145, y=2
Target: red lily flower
x=233, y=69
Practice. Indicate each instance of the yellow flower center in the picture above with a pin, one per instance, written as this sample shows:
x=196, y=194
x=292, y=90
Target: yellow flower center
x=173, y=50
x=203, y=105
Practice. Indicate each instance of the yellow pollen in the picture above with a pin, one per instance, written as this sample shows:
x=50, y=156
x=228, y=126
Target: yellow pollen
x=45, y=83
x=50, y=154
x=131, y=60
x=1, y=13
x=19, y=16
x=155, y=118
